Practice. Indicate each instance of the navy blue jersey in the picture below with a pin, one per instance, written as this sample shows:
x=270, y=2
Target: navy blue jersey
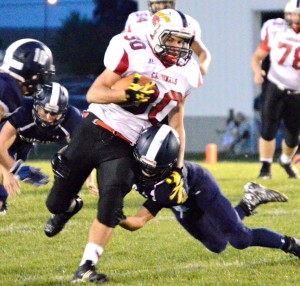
x=11, y=96
x=199, y=184
x=29, y=132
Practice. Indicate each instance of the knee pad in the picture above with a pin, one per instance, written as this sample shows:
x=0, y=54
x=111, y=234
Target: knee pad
x=109, y=205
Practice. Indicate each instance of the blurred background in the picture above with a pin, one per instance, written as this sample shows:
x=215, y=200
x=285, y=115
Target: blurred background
x=78, y=32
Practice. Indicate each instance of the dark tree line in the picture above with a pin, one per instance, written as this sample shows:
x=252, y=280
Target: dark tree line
x=80, y=44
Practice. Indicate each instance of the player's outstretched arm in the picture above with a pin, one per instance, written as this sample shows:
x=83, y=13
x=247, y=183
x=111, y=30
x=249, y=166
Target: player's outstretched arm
x=136, y=222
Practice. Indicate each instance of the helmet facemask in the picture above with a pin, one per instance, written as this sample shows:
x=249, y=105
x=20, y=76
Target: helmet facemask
x=53, y=99
x=172, y=55
x=292, y=7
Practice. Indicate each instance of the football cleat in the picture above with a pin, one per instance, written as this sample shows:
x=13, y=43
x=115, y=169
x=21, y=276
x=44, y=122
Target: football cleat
x=57, y=222
x=256, y=194
x=289, y=169
x=265, y=171
x=3, y=209
x=87, y=273
x=292, y=245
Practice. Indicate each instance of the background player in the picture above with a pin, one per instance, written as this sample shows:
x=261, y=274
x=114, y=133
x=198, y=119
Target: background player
x=281, y=100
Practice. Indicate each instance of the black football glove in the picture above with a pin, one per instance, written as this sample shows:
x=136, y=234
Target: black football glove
x=137, y=93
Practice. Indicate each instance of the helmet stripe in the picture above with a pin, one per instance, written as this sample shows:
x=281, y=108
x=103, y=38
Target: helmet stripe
x=184, y=20
x=55, y=94
x=157, y=141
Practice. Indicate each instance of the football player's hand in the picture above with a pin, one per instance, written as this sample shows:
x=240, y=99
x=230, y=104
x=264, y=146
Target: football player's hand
x=29, y=175
x=92, y=189
x=119, y=216
x=10, y=183
x=60, y=166
x=175, y=180
x=139, y=93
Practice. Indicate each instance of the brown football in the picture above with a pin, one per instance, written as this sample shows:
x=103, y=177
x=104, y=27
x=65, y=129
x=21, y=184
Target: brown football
x=124, y=82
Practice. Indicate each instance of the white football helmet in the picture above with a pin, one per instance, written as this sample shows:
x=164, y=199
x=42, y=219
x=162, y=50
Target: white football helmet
x=165, y=25
x=292, y=6
x=154, y=7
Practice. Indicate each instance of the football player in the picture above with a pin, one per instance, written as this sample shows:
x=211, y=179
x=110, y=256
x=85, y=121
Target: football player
x=196, y=199
x=137, y=22
x=46, y=118
x=105, y=138
x=281, y=101
x=27, y=65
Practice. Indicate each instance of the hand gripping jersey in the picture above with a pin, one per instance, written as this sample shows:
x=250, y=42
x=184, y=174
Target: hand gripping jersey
x=283, y=44
x=128, y=54
x=137, y=23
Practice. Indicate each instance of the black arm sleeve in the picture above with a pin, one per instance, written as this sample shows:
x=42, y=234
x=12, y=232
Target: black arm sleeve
x=152, y=207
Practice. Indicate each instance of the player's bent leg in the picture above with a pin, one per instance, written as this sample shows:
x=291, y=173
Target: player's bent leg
x=56, y=222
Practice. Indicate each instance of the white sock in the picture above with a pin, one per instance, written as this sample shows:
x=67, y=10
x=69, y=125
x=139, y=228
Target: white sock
x=285, y=159
x=91, y=252
x=269, y=160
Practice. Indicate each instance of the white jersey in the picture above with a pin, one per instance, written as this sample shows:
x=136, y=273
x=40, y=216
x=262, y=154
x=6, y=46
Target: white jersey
x=126, y=55
x=137, y=22
x=283, y=44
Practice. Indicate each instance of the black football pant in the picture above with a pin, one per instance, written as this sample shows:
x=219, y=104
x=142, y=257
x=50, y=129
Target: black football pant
x=94, y=147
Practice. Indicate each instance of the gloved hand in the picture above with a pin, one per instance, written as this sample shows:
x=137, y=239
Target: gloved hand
x=138, y=93
x=60, y=166
x=28, y=174
x=119, y=216
x=175, y=181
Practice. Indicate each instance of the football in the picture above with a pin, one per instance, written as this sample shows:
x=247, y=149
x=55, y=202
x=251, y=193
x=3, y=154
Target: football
x=124, y=82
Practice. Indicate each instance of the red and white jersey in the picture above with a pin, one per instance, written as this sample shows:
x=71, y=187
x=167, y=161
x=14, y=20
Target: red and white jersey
x=137, y=22
x=126, y=55
x=283, y=44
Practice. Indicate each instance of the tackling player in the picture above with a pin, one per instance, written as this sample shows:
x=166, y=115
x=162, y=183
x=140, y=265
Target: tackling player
x=281, y=100
x=196, y=200
x=27, y=65
x=137, y=22
x=46, y=118
x=111, y=127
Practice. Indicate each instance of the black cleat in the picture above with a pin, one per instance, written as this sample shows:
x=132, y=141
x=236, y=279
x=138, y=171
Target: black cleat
x=57, y=222
x=256, y=194
x=3, y=209
x=265, y=171
x=87, y=272
x=290, y=169
x=292, y=245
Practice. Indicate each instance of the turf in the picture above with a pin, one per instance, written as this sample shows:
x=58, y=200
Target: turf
x=161, y=253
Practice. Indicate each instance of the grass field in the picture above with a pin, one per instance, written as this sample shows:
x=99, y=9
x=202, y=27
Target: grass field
x=162, y=253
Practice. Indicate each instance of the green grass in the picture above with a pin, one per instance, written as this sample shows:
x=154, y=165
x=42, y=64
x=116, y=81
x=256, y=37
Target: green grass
x=161, y=253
